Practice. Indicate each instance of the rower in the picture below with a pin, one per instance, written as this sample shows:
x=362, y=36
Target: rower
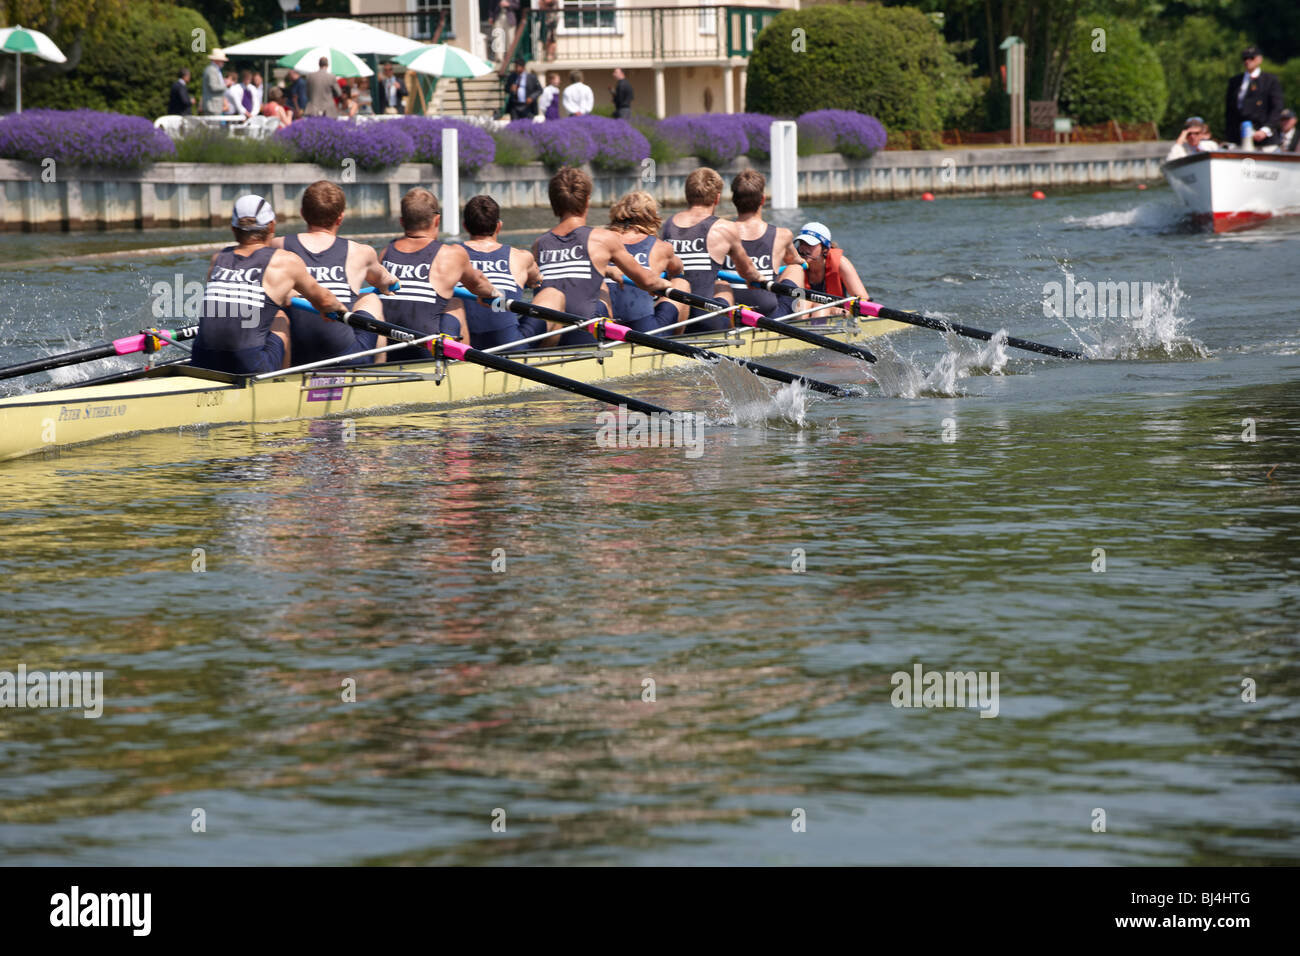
x=826, y=268
x=428, y=271
x=769, y=247
x=243, y=329
x=509, y=270
x=635, y=218
x=703, y=242
x=573, y=258
x=343, y=267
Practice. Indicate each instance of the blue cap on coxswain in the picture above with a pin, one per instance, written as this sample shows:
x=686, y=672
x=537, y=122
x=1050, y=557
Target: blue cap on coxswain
x=252, y=207
x=814, y=234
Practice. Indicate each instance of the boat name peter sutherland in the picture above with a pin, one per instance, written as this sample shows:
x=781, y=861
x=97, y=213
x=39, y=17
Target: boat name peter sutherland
x=69, y=413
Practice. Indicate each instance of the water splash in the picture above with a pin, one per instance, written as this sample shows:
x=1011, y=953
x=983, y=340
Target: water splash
x=1157, y=331
x=903, y=376
x=1147, y=218
x=749, y=401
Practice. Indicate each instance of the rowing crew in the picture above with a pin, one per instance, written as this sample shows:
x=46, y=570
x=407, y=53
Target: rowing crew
x=249, y=324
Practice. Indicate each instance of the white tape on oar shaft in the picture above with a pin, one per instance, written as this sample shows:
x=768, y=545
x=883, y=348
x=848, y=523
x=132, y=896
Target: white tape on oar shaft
x=342, y=359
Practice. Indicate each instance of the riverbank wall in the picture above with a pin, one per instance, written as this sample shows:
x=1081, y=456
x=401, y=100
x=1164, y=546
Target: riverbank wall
x=39, y=198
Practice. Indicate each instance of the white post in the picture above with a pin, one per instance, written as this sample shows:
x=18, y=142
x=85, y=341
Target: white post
x=451, y=181
x=785, y=165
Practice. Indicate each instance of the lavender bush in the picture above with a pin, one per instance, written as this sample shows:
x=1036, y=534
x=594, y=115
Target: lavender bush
x=716, y=138
x=619, y=146
x=758, y=130
x=477, y=148
x=558, y=142
x=83, y=138
x=853, y=135
x=328, y=142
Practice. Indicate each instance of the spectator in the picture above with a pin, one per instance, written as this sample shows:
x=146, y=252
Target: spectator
x=549, y=102
x=352, y=100
x=1288, y=140
x=522, y=91
x=391, y=90
x=179, y=101
x=578, y=98
x=622, y=93
x=276, y=109
x=214, y=85
x=323, y=91
x=506, y=20
x=259, y=94
x=1254, y=97
x=240, y=95
x=1194, y=138
x=486, y=12
x=295, y=93
x=550, y=20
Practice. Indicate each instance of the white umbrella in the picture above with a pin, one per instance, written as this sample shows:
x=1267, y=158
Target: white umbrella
x=352, y=36
x=439, y=59
x=20, y=40
x=341, y=62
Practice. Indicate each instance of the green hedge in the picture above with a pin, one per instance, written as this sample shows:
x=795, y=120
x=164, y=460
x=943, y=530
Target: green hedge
x=888, y=62
x=1198, y=58
x=127, y=66
x=1126, y=83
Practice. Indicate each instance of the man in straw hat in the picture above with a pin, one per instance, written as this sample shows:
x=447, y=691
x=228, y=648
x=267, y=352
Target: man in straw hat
x=214, y=85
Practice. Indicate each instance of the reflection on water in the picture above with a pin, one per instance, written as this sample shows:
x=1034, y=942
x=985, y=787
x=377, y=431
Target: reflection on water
x=645, y=658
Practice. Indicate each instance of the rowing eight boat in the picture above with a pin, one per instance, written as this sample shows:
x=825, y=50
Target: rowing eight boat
x=178, y=396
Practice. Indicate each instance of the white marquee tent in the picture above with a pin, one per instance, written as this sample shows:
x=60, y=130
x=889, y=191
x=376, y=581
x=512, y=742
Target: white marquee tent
x=354, y=36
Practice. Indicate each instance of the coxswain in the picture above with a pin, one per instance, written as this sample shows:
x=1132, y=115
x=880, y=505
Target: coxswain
x=427, y=271
x=509, y=270
x=573, y=257
x=635, y=218
x=244, y=328
x=343, y=267
x=703, y=242
x=826, y=268
x=770, y=247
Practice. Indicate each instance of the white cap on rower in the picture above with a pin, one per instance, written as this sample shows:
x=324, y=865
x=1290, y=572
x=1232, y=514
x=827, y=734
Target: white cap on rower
x=252, y=207
x=814, y=234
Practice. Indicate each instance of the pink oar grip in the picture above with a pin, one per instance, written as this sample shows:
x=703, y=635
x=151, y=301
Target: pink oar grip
x=616, y=331
x=453, y=349
x=749, y=317
x=129, y=345
x=869, y=308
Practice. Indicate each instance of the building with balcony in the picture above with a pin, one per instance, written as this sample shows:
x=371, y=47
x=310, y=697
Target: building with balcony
x=685, y=57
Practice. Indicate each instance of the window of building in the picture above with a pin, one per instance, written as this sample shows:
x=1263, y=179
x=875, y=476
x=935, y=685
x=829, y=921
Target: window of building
x=589, y=16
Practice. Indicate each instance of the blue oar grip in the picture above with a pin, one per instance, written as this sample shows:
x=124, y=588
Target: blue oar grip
x=298, y=302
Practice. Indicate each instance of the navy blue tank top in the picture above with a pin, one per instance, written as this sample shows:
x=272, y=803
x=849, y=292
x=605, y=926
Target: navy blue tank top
x=634, y=306
x=760, y=253
x=495, y=266
x=699, y=268
x=565, y=264
x=416, y=305
x=313, y=338
x=237, y=312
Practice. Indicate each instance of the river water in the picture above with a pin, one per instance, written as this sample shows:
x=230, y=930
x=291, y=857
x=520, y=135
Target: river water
x=1115, y=539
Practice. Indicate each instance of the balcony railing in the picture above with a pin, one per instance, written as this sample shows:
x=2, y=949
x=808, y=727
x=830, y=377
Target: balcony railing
x=599, y=30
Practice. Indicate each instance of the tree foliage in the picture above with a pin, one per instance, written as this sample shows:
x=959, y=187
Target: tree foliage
x=1125, y=83
x=128, y=63
x=1198, y=58
x=891, y=63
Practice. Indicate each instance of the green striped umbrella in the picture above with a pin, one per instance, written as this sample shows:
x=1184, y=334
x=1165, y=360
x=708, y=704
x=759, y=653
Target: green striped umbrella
x=341, y=62
x=19, y=40
x=439, y=59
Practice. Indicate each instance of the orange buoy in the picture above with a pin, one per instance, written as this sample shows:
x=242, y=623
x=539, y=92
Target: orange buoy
x=1038, y=194
x=928, y=197
x=1142, y=185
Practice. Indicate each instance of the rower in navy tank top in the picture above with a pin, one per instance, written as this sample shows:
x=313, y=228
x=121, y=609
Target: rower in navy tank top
x=573, y=257
x=340, y=265
x=504, y=267
x=416, y=304
x=243, y=329
x=634, y=215
x=771, y=247
x=703, y=241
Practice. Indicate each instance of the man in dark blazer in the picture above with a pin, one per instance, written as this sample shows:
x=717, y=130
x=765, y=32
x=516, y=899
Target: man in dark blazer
x=1289, y=135
x=522, y=91
x=391, y=91
x=1255, y=96
x=179, y=102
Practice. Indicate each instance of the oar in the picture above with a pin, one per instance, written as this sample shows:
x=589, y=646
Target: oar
x=750, y=317
x=876, y=310
x=622, y=333
x=149, y=341
x=450, y=348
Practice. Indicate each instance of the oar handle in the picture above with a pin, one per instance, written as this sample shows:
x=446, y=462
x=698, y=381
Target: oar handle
x=298, y=302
